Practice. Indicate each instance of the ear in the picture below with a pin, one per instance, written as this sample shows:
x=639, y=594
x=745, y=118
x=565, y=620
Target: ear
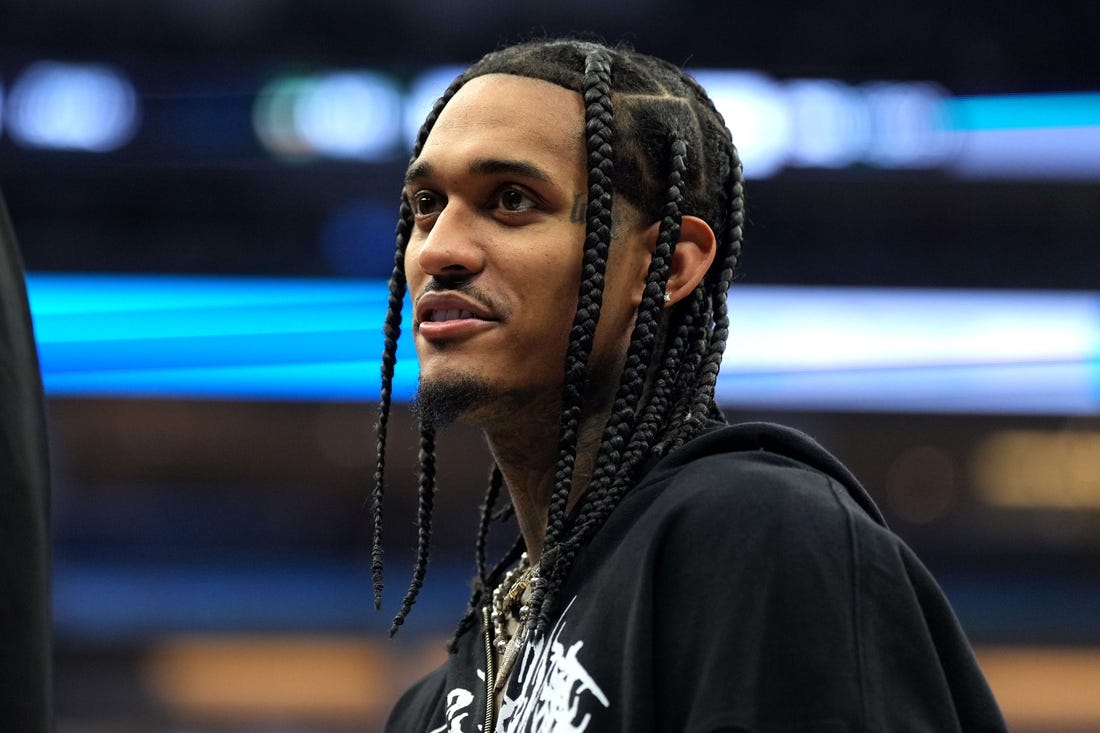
x=692, y=258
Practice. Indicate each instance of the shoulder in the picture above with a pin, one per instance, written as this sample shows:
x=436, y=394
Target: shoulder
x=735, y=479
x=758, y=511
x=808, y=602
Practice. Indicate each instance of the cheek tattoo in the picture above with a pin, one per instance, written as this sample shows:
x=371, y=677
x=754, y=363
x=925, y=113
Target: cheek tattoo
x=580, y=207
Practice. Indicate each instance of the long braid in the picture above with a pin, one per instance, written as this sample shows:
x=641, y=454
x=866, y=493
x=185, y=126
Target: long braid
x=664, y=419
x=651, y=309
x=732, y=218
x=695, y=333
x=481, y=588
x=481, y=583
x=656, y=415
x=425, y=504
x=496, y=481
x=599, y=137
x=392, y=332
x=731, y=250
x=398, y=286
x=609, y=480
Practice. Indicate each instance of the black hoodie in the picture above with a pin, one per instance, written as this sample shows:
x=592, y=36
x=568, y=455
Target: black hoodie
x=748, y=584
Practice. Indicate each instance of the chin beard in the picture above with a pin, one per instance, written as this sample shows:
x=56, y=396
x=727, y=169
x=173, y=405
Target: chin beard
x=439, y=402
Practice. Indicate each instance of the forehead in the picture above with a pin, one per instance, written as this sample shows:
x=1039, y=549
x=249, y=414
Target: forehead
x=504, y=115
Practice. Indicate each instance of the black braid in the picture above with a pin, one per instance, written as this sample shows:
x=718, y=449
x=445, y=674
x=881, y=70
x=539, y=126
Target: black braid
x=392, y=332
x=664, y=129
x=731, y=196
x=481, y=583
x=599, y=138
x=610, y=478
x=704, y=405
x=473, y=608
x=496, y=480
x=695, y=332
x=425, y=503
x=654, y=417
x=505, y=513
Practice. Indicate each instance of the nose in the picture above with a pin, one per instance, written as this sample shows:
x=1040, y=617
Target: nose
x=452, y=248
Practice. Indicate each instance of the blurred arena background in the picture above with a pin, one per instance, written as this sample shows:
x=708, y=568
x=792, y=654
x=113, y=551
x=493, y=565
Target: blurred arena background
x=204, y=193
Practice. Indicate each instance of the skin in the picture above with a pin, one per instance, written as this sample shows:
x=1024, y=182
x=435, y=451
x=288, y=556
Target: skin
x=493, y=266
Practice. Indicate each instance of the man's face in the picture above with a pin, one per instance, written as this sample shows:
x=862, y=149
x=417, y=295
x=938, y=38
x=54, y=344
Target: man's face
x=494, y=259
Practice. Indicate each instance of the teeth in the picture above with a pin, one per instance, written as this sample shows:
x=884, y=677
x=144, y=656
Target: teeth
x=450, y=314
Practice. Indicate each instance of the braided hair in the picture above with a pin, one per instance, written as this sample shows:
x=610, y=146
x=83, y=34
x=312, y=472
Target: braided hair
x=654, y=137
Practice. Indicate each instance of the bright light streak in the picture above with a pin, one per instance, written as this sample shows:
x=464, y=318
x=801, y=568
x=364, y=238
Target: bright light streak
x=914, y=350
x=89, y=107
x=910, y=125
x=427, y=88
x=343, y=115
x=1063, y=153
x=756, y=112
x=803, y=328
x=797, y=348
x=350, y=115
x=1014, y=111
x=825, y=123
x=820, y=123
x=273, y=117
x=831, y=123
x=1054, y=136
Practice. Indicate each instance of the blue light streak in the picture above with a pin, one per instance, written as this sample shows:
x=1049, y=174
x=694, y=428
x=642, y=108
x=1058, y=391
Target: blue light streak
x=1017, y=111
x=790, y=348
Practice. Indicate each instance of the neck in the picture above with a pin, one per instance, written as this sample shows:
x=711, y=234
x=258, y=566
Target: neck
x=526, y=451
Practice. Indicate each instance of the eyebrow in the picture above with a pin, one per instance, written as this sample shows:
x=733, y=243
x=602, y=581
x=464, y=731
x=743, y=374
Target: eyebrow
x=418, y=170
x=485, y=167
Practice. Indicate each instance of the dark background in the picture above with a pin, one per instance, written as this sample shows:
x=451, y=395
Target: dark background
x=196, y=519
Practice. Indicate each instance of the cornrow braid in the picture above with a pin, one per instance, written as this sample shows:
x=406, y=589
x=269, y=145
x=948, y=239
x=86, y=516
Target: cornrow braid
x=599, y=137
x=610, y=478
x=704, y=404
x=646, y=124
x=733, y=215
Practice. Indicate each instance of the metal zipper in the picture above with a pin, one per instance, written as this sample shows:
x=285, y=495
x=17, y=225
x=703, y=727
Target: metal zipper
x=490, y=681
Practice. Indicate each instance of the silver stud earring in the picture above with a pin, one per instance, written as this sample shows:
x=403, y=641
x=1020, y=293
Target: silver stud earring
x=668, y=297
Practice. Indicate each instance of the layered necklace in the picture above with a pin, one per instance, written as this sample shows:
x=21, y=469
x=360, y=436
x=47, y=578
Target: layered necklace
x=509, y=614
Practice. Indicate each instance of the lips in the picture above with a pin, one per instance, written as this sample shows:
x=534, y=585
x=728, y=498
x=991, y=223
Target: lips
x=451, y=315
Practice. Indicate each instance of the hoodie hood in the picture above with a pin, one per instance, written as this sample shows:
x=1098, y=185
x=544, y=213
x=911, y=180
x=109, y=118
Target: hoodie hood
x=770, y=438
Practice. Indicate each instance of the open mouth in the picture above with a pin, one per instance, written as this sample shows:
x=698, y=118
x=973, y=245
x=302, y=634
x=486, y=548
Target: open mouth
x=450, y=314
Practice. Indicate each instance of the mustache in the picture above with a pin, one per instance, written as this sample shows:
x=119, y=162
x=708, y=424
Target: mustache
x=469, y=290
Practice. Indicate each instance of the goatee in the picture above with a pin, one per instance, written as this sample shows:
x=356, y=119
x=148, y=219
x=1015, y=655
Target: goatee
x=439, y=402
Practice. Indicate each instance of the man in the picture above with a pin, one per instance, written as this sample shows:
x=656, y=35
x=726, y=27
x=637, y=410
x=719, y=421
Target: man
x=570, y=224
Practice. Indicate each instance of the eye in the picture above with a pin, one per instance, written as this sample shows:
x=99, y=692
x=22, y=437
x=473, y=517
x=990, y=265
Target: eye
x=514, y=199
x=425, y=203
